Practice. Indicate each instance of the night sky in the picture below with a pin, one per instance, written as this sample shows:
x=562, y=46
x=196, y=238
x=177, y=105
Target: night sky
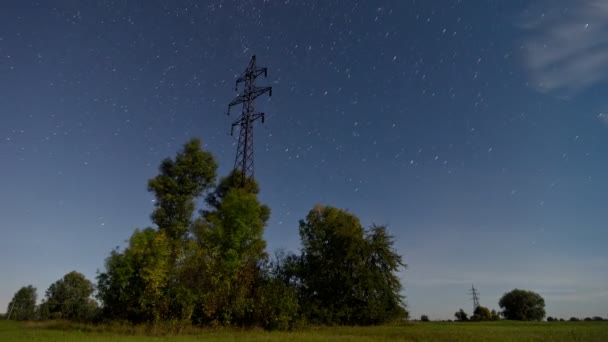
x=476, y=130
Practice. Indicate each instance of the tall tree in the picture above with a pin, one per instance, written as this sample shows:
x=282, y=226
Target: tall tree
x=23, y=305
x=178, y=185
x=70, y=298
x=231, y=248
x=348, y=274
x=522, y=305
x=142, y=282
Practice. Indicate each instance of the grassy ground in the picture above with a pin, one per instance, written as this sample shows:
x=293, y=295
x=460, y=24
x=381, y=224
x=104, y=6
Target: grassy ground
x=490, y=331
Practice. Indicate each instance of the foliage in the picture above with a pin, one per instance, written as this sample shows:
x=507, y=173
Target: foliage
x=177, y=186
x=277, y=305
x=522, y=305
x=23, y=305
x=346, y=275
x=495, y=315
x=574, y=319
x=70, y=298
x=214, y=270
x=481, y=313
x=424, y=318
x=461, y=316
x=134, y=282
x=230, y=250
x=141, y=284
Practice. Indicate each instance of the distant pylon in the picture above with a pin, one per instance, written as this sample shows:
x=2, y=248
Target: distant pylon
x=243, y=161
x=475, y=297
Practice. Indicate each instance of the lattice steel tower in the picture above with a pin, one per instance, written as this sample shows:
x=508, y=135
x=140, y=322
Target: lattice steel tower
x=475, y=297
x=244, y=153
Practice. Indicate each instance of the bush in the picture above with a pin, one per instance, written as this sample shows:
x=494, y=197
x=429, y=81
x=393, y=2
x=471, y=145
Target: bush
x=277, y=306
x=597, y=318
x=481, y=314
x=424, y=318
x=574, y=319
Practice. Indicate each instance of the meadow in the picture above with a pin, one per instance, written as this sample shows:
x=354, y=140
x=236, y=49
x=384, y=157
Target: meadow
x=431, y=331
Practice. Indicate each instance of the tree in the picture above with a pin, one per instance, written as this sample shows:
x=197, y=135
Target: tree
x=70, y=298
x=550, y=319
x=134, y=282
x=522, y=305
x=347, y=275
x=231, y=248
x=23, y=305
x=424, y=318
x=574, y=319
x=461, y=316
x=481, y=314
x=177, y=186
x=142, y=283
x=495, y=315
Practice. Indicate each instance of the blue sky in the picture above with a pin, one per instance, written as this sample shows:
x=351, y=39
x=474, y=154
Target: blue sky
x=476, y=131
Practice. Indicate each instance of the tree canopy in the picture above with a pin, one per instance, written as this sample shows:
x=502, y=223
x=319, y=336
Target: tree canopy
x=481, y=313
x=207, y=269
x=461, y=316
x=522, y=305
x=23, y=305
x=348, y=274
x=213, y=268
x=70, y=298
x=177, y=186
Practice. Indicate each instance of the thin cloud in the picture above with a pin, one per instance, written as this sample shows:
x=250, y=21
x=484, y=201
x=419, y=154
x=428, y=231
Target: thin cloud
x=566, y=48
x=603, y=117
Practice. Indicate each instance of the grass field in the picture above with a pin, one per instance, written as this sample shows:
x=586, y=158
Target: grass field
x=433, y=331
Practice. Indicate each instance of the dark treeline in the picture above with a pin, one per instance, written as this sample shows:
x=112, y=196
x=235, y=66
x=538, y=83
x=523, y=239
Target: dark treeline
x=211, y=268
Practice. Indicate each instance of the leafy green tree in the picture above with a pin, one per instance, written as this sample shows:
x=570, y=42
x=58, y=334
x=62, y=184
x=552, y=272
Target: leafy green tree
x=347, y=275
x=70, y=298
x=231, y=248
x=574, y=319
x=481, y=314
x=23, y=305
x=142, y=283
x=522, y=305
x=424, y=318
x=178, y=185
x=134, y=282
x=461, y=316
